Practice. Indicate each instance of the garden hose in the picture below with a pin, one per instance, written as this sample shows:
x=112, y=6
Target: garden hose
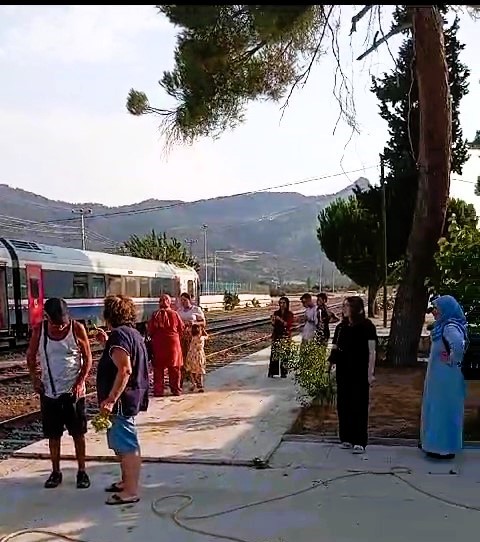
x=183, y=521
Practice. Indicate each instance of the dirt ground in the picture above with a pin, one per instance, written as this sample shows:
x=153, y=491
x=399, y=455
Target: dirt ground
x=394, y=407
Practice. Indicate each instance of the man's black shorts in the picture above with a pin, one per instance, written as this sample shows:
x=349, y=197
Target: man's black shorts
x=63, y=413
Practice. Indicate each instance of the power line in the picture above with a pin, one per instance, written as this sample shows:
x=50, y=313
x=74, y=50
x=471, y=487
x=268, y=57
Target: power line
x=184, y=203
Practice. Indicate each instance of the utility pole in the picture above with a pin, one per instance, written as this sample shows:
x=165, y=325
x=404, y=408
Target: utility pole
x=82, y=212
x=205, y=255
x=333, y=281
x=384, y=240
x=320, y=278
x=190, y=242
x=215, y=266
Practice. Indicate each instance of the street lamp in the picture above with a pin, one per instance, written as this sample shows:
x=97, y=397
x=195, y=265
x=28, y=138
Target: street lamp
x=215, y=266
x=384, y=240
x=205, y=255
x=190, y=242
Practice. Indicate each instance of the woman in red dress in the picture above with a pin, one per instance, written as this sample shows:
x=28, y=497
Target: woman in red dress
x=165, y=329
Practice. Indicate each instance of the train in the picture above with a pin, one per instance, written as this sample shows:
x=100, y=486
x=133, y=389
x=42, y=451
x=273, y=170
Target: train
x=32, y=272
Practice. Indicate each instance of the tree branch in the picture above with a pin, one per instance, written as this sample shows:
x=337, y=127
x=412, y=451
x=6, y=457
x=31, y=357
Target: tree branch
x=393, y=32
x=356, y=18
x=306, y=73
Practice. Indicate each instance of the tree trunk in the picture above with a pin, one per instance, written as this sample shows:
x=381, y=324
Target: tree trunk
x=372, y=300
x=434, y=182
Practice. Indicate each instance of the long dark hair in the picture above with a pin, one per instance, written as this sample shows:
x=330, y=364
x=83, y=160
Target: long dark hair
x=357, y=308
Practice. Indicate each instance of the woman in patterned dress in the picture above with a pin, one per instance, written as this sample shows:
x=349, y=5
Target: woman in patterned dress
x=190, y=314
x=195, y=363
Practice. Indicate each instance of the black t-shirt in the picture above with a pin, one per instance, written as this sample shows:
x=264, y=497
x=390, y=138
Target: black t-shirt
x=325, y=316
x=135, y=396
x=352, y=344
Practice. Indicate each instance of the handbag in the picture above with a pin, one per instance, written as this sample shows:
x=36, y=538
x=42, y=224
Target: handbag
x=470, y=365
x=335, y=353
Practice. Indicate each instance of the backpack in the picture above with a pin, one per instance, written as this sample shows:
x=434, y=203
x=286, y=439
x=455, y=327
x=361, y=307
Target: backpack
x=471, y=357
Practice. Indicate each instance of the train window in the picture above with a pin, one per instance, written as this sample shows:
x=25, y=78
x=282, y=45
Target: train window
x=144, y=287
x=9, y=279
x=132, y=286
x=23, y=284
x=114, y=285
x=34, y=288
x=58, y=284
x=3, y=298
x=80, y=285
x=156, y=287
x=98, y=286
x=191, y=289
x=175, y=288
x=168, y=287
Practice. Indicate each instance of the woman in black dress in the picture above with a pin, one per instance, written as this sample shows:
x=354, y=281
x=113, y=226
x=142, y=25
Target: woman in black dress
x=282, y=321
x=353, y=354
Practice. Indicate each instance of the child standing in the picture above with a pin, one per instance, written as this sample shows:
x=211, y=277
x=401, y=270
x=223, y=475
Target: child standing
x=196, y=360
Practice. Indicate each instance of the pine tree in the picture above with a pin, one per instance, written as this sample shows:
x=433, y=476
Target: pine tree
x=399, y=106
x=397, y=93
x=154, y=246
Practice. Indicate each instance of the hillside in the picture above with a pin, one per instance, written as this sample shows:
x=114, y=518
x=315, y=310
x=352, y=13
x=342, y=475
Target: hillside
x=271, y=234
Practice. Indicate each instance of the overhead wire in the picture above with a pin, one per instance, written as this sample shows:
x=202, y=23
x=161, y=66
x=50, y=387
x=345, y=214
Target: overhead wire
x=187, y=203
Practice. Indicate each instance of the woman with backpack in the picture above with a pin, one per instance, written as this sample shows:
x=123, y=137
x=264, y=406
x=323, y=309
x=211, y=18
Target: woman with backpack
x=444, y=388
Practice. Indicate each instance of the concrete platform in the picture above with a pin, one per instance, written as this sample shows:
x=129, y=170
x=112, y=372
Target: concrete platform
x=242, y=416
x=314, y=492
x=311, y=491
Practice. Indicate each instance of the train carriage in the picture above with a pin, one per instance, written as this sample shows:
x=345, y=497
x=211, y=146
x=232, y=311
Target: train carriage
x=32, y=272
x=5, y=263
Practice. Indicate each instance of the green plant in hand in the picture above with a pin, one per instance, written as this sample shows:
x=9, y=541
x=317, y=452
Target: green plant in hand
x=101, y=422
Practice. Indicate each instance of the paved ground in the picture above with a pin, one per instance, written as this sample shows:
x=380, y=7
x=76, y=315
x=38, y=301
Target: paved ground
x=392, y=493
x=357, y=508
x=242, y=415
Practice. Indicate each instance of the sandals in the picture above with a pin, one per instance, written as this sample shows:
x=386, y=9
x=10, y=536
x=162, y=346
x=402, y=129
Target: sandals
x=115, y=500
x=114, y=488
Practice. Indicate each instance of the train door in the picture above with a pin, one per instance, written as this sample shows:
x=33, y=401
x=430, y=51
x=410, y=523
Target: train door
x=35, y=294
x=3, y=298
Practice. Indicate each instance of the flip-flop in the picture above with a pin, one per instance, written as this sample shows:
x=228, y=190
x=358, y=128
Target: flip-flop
x=114, y=488
x=117, y=500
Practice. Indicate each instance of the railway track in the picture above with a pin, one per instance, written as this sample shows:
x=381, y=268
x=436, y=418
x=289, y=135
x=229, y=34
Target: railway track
x=9, y=354
x=15, y=370
x=24, y=429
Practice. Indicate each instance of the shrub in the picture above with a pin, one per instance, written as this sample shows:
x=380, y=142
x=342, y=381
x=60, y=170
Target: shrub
x=230, y=301
x=255, y=303
x=311, y=370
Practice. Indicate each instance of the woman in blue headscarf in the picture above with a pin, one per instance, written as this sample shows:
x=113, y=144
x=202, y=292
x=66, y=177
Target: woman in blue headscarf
x=444, y=390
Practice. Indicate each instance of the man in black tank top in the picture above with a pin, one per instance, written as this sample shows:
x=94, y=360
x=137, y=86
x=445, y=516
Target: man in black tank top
x=62, y=392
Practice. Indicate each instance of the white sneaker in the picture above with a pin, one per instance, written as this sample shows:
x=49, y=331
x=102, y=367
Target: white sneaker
x=358, y=449
x=346, y=446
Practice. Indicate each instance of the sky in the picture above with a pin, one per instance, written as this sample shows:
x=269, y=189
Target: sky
x=65, y=132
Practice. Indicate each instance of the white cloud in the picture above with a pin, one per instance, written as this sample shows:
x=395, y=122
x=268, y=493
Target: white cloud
x=72, y=34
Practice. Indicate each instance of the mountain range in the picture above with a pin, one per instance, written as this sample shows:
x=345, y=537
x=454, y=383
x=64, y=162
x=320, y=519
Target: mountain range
x=268, y=235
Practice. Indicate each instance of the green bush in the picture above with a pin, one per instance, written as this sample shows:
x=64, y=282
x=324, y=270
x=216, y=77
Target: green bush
x=311, y=370
x=230, y=301
x=457, y=274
